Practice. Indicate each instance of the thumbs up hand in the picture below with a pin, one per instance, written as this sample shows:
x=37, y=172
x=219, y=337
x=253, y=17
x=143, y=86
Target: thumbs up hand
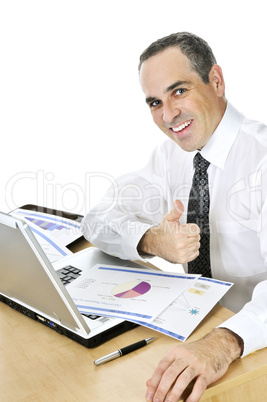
x=170, y=240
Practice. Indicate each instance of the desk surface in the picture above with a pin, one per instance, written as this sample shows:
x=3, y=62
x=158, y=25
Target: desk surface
x=37, y=364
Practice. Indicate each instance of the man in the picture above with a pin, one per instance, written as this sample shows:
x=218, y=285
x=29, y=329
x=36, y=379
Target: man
x=185, y=91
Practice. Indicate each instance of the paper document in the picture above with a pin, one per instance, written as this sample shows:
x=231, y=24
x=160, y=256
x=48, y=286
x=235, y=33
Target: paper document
x=129, y=293
x=52, y=232
x=188, y=310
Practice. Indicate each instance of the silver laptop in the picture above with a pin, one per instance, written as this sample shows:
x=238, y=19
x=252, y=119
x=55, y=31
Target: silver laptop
x=30, y=284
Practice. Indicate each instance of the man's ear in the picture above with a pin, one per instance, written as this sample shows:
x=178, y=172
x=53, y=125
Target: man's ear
x=216, y=79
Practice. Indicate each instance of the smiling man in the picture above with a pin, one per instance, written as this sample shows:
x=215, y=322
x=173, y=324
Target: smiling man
x=182, y=105
x=146, y=212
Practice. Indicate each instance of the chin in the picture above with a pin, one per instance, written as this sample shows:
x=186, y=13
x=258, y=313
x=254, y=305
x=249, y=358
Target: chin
x=186, y=146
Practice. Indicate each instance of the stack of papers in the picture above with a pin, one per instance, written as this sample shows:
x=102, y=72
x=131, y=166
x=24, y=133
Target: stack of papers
x=171, y=303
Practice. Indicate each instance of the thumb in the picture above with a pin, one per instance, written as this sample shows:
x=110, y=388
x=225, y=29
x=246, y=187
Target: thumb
x=176, y=212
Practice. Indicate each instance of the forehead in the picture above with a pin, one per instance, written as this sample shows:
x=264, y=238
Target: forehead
x=163, y=69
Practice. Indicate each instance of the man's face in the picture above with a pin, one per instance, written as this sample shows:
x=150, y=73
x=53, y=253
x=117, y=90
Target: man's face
x=182, y=105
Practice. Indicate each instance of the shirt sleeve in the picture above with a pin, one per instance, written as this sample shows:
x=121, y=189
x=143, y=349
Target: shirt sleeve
x=134, y=203
x=251, y=322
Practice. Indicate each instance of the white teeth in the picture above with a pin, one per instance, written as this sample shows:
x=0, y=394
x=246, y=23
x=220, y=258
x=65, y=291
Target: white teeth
x=182, y=126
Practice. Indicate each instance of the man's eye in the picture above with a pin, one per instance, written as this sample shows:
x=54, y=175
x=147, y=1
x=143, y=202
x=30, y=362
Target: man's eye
x=154, y=103
x=180, y=91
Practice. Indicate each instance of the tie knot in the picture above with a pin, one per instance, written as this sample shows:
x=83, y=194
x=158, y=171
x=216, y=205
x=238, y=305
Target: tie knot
x=200, y=162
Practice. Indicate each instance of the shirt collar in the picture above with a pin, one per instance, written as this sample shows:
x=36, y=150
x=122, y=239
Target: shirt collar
x=218, y=147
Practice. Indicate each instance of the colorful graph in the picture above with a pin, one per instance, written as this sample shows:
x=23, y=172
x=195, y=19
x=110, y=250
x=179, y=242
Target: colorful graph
x=46, y=225
x=131, y=289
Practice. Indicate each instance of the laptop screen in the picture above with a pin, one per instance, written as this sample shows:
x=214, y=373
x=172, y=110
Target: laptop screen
x=28, y=278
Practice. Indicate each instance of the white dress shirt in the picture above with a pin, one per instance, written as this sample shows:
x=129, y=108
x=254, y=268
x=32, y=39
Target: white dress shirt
x=237, y=152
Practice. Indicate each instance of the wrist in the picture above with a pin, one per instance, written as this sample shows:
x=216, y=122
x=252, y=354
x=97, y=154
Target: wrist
x=239, y=343
x=229, y=341
x=147, y=243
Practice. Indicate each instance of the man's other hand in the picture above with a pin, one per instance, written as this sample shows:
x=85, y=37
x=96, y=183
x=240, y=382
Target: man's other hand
x=203, y=362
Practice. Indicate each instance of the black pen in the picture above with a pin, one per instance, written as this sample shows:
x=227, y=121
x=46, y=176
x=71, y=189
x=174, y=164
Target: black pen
x=123, y=351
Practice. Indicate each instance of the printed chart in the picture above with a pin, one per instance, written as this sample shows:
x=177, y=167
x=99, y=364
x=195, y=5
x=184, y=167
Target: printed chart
x=131, y=293
x=131, y=289
x=182, y=316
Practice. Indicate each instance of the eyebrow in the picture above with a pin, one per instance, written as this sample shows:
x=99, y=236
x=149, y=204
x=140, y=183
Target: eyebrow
x=176, y=84
x=168, y=89
x=150, y=99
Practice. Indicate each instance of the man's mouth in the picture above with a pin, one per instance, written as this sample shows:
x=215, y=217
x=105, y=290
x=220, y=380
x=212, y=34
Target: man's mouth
x=181, y=126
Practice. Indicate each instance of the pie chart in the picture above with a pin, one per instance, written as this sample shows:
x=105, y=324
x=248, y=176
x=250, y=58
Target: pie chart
x=131, y=289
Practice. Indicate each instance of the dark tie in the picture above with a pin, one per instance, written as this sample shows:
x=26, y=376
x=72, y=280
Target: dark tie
x=198, y=212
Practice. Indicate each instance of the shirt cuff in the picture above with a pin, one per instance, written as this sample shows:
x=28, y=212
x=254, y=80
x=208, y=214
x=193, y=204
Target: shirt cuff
x=249, y=329
x=130, y=242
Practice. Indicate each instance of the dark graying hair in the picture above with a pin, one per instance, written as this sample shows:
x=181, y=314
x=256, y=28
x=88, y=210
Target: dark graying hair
x=194, y=48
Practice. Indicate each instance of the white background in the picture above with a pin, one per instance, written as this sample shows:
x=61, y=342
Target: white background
x=72, y=114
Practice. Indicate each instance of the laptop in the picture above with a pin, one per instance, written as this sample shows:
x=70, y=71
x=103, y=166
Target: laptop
x=30, y=284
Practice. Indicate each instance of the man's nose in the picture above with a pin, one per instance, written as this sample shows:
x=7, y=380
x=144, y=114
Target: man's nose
x=170, y=111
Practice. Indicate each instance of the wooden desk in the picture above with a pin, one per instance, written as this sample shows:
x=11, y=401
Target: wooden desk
x=38, y=364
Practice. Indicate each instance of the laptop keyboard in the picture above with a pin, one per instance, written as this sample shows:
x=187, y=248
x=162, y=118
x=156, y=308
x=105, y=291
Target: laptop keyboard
x=67, y=275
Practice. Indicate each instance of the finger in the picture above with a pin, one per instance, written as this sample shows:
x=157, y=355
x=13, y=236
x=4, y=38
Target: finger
x=193, y=229
x=179, y=207
x=155, y=380
x=189, y=245
x=193, y=256
x=189, y=229
x=174, y=375
x=176, y=213
x=194, y=249
x=181, y=383
x=198, y=389
x=193, y=241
